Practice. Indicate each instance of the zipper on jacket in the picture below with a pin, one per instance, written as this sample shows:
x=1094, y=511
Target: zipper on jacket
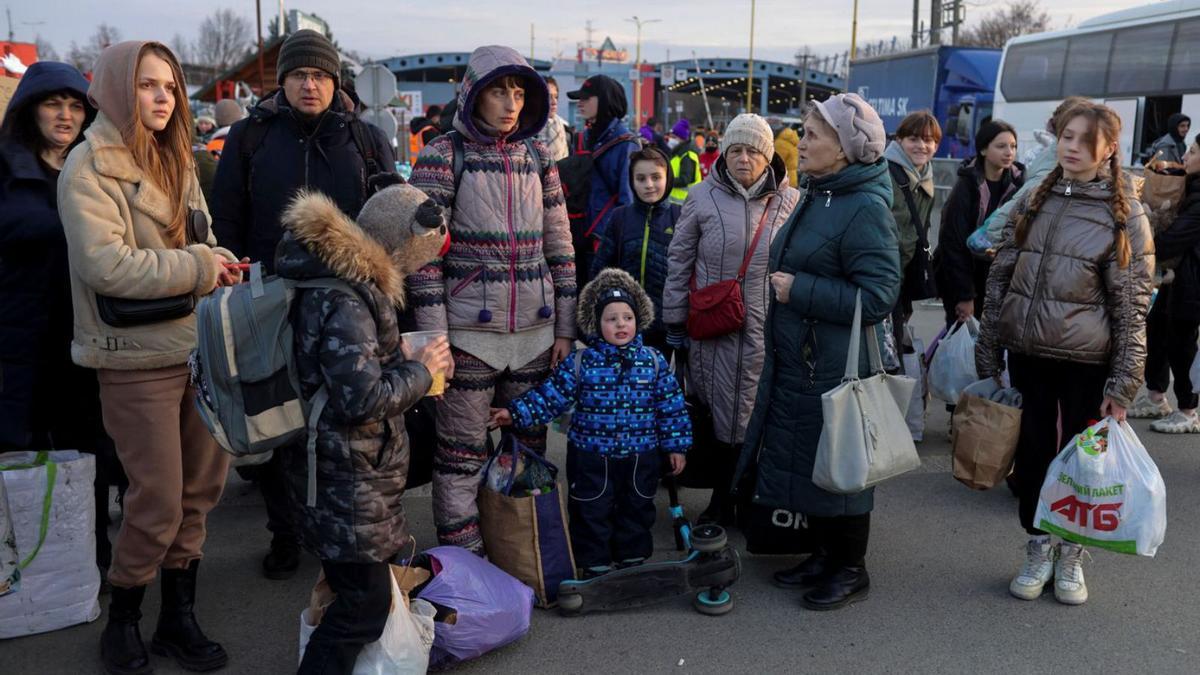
x=512, y=239
x=1026, y=340
x=645, y=245
x=828, y=197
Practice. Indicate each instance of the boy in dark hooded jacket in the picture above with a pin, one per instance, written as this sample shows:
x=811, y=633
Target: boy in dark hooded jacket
x=348, y=341
x=628, y=409
x=639, y=235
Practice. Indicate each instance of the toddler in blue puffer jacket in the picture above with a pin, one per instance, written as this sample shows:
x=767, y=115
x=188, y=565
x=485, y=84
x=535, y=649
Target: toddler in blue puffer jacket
x=628, y=411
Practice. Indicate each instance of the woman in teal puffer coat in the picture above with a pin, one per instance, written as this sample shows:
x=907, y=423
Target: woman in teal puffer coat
x=840, y=241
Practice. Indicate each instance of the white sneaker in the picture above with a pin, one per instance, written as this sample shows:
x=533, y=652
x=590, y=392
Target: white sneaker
x=1036, y=572
x=1145, y=407
x=1069, y=587
x=1177, y=422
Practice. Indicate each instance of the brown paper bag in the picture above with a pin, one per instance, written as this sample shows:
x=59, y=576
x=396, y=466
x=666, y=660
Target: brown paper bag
x=985, y=441
x=1161, y=190
x=528, y=538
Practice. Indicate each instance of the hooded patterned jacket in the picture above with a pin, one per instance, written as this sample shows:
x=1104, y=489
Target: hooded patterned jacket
x=626, y=400
x=510, y=266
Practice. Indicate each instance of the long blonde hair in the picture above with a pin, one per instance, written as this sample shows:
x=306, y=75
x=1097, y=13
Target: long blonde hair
x=165, y=156
x=1105, y=128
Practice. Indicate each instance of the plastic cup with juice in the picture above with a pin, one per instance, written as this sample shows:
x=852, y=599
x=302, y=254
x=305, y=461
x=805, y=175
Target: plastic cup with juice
x=416, y=341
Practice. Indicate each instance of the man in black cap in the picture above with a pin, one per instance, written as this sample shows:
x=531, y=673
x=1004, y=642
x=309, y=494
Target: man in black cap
x=602, y=105
x=305, y=135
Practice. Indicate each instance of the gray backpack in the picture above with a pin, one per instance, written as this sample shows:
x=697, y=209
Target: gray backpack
x=247, y=387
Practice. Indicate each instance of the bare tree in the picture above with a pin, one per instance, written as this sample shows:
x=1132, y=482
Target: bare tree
x=224, y=38
x=184, y=50
x=1019, y=17
x=84, y=56
x=45, y=50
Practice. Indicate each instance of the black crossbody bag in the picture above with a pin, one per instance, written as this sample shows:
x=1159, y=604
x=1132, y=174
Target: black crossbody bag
x=917, y=280
x=127, y=312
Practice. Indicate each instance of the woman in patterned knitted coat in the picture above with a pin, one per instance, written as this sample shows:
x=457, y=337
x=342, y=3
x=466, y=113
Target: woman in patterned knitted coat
x=628, y=409
x=505, y=289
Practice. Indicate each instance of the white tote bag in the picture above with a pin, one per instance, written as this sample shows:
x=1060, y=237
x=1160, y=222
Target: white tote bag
x=52, y=505
x=865, y=439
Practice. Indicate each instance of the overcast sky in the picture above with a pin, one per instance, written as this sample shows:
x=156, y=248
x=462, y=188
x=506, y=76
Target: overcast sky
x=382, y=28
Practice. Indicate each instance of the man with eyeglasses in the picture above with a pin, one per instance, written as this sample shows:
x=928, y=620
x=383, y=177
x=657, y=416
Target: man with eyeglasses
x=304, y=136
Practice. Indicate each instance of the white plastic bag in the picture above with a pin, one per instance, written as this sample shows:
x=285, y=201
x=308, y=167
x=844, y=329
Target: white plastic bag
x=953, y=366
x=52, y=504
x=404, y=646
x=914, y=367
x=1194, y=374
x=10, y=562
x=1103, y=490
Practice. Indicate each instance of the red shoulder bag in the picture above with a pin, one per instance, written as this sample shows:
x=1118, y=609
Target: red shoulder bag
x=718, y=309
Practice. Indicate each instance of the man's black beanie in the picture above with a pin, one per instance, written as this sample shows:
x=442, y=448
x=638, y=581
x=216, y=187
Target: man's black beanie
x=307, y=49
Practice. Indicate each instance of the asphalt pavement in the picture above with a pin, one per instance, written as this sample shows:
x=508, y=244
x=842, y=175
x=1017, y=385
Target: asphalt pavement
x=940, y=559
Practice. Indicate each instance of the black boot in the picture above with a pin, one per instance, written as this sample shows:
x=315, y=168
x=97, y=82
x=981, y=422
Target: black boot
x=121, y=648
x=807, y=574
x=178, y=635
x=283, y=560
x=843, y=586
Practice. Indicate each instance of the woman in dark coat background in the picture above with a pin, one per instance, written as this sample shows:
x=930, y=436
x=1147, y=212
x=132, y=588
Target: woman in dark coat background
x=985, y=181
x=1174, y=321
x=46, y=401
x=840, y=242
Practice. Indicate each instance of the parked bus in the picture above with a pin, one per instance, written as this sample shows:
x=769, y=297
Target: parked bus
x=1143, y=62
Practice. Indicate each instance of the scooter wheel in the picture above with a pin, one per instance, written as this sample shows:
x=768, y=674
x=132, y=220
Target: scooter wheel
x=570, y=603
x=709, y=538
x=705, y=604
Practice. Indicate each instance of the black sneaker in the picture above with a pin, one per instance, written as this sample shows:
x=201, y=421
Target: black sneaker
x=282, y=562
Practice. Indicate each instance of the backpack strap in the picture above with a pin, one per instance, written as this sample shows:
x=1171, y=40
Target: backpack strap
x=458, y=146
x=358, y=131
x=321, y=397
x=253, y=133
x=901, y=178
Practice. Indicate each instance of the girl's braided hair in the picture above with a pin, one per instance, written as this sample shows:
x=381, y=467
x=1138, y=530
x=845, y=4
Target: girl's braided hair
x=1104, y=132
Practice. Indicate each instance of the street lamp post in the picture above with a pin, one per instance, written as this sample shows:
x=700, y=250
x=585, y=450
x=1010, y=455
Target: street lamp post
x=854, y=33
x=637, y=65
x=750, y=74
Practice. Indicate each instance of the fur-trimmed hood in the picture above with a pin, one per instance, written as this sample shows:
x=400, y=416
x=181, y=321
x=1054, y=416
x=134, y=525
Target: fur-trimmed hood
x=321, y=241
x=609, y=278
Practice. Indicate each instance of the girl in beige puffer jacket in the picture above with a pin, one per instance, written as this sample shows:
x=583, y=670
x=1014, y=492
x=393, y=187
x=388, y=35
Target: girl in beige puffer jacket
x=1067, y=297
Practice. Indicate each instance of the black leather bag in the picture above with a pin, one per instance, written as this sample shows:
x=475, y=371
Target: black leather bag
x=127, y=312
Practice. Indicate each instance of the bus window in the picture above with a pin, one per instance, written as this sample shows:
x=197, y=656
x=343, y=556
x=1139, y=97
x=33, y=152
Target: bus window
x=1034, y=71
x=1087, y=65
x=1185, y=62
x=1142, y=65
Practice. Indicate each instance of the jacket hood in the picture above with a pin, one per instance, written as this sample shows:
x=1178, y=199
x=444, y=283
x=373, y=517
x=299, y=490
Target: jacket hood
x=611, y=106
x=670, y=178
x=1173, y=123
x=612, y=277
x=789, y=136
x=112, y=88
x=321, y=241
x=871, y=178
x=486, y=65
x=48, y=77
x=777, y=180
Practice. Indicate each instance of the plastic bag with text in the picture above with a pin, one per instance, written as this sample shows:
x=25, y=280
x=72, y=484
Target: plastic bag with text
x=1104, y=491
